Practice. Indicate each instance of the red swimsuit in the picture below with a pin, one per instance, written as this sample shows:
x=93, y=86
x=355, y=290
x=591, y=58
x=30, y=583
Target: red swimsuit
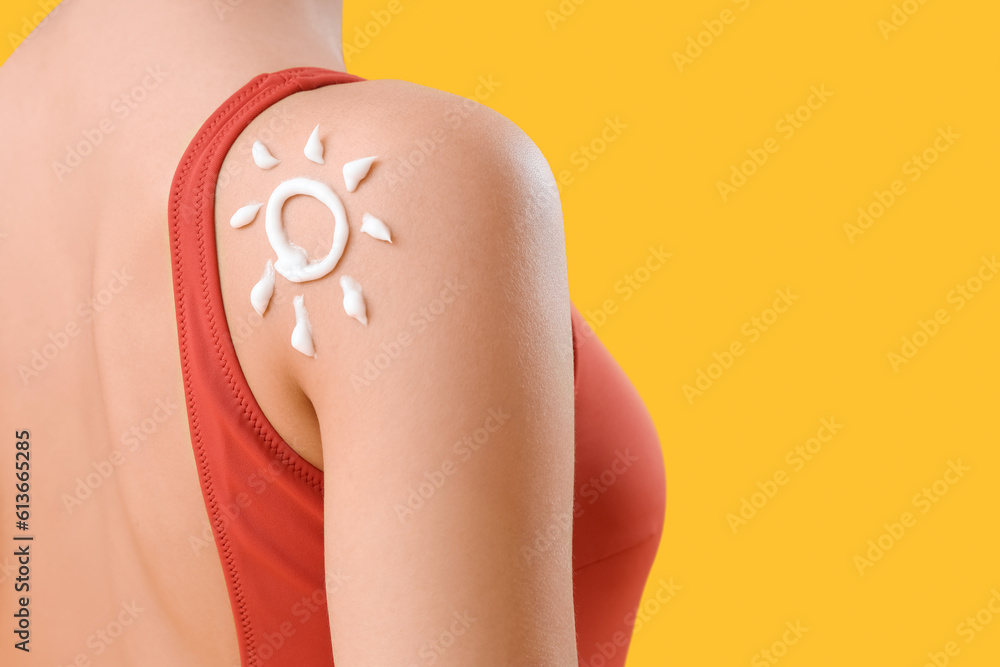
x=265, y=501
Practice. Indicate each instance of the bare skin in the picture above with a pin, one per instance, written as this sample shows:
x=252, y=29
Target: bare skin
x=86, y=266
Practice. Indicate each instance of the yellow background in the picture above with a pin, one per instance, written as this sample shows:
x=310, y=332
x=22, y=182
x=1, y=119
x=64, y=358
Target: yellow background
x=827, y=356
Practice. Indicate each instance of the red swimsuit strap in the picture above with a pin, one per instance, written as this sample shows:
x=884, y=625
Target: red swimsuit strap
x=264, y=501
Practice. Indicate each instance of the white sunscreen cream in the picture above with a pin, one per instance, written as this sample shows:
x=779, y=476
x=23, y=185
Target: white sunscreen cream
x=293, y=262
x=354, y=302
x=314, y=147
x=302, y=339
x=262, y=157
x=375, y=228
x=261, y=293
x=356, y=170
x=245, y=215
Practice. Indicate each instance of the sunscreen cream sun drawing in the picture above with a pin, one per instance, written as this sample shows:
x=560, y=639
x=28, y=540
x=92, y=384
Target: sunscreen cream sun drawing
x=292, y=262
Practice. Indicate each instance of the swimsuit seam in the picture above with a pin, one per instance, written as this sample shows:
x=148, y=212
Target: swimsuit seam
x=641, y=542
x=194, y=305
x=249, y=642
x=204, y=218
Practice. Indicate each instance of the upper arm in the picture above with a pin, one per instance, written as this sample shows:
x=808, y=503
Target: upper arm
x=446, y=423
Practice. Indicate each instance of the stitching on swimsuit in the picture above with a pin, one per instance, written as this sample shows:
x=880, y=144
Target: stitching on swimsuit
x=206, y=218
x=198, y=159
x=249, y=642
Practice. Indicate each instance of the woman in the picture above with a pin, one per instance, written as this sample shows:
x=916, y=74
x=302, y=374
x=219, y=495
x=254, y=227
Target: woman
x=398, y=450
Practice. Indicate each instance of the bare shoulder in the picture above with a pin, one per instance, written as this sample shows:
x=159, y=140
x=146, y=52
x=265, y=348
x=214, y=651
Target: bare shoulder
x=466, y=198
x=417, y=330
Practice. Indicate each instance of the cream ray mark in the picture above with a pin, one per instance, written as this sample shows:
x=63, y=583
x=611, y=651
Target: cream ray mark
x=314, y=147
x=260, y=295
x=262, y=157
x=356, y=170
x=302, y=339
x=375, y=228
x=245, y=215
x=354, y=302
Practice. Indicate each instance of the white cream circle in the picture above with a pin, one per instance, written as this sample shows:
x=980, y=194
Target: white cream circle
x=293, y=262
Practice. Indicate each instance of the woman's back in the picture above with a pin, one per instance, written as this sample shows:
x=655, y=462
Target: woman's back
x=125, y=567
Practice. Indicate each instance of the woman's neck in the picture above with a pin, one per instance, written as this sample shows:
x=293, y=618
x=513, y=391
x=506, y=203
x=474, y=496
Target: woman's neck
x=216, y=43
